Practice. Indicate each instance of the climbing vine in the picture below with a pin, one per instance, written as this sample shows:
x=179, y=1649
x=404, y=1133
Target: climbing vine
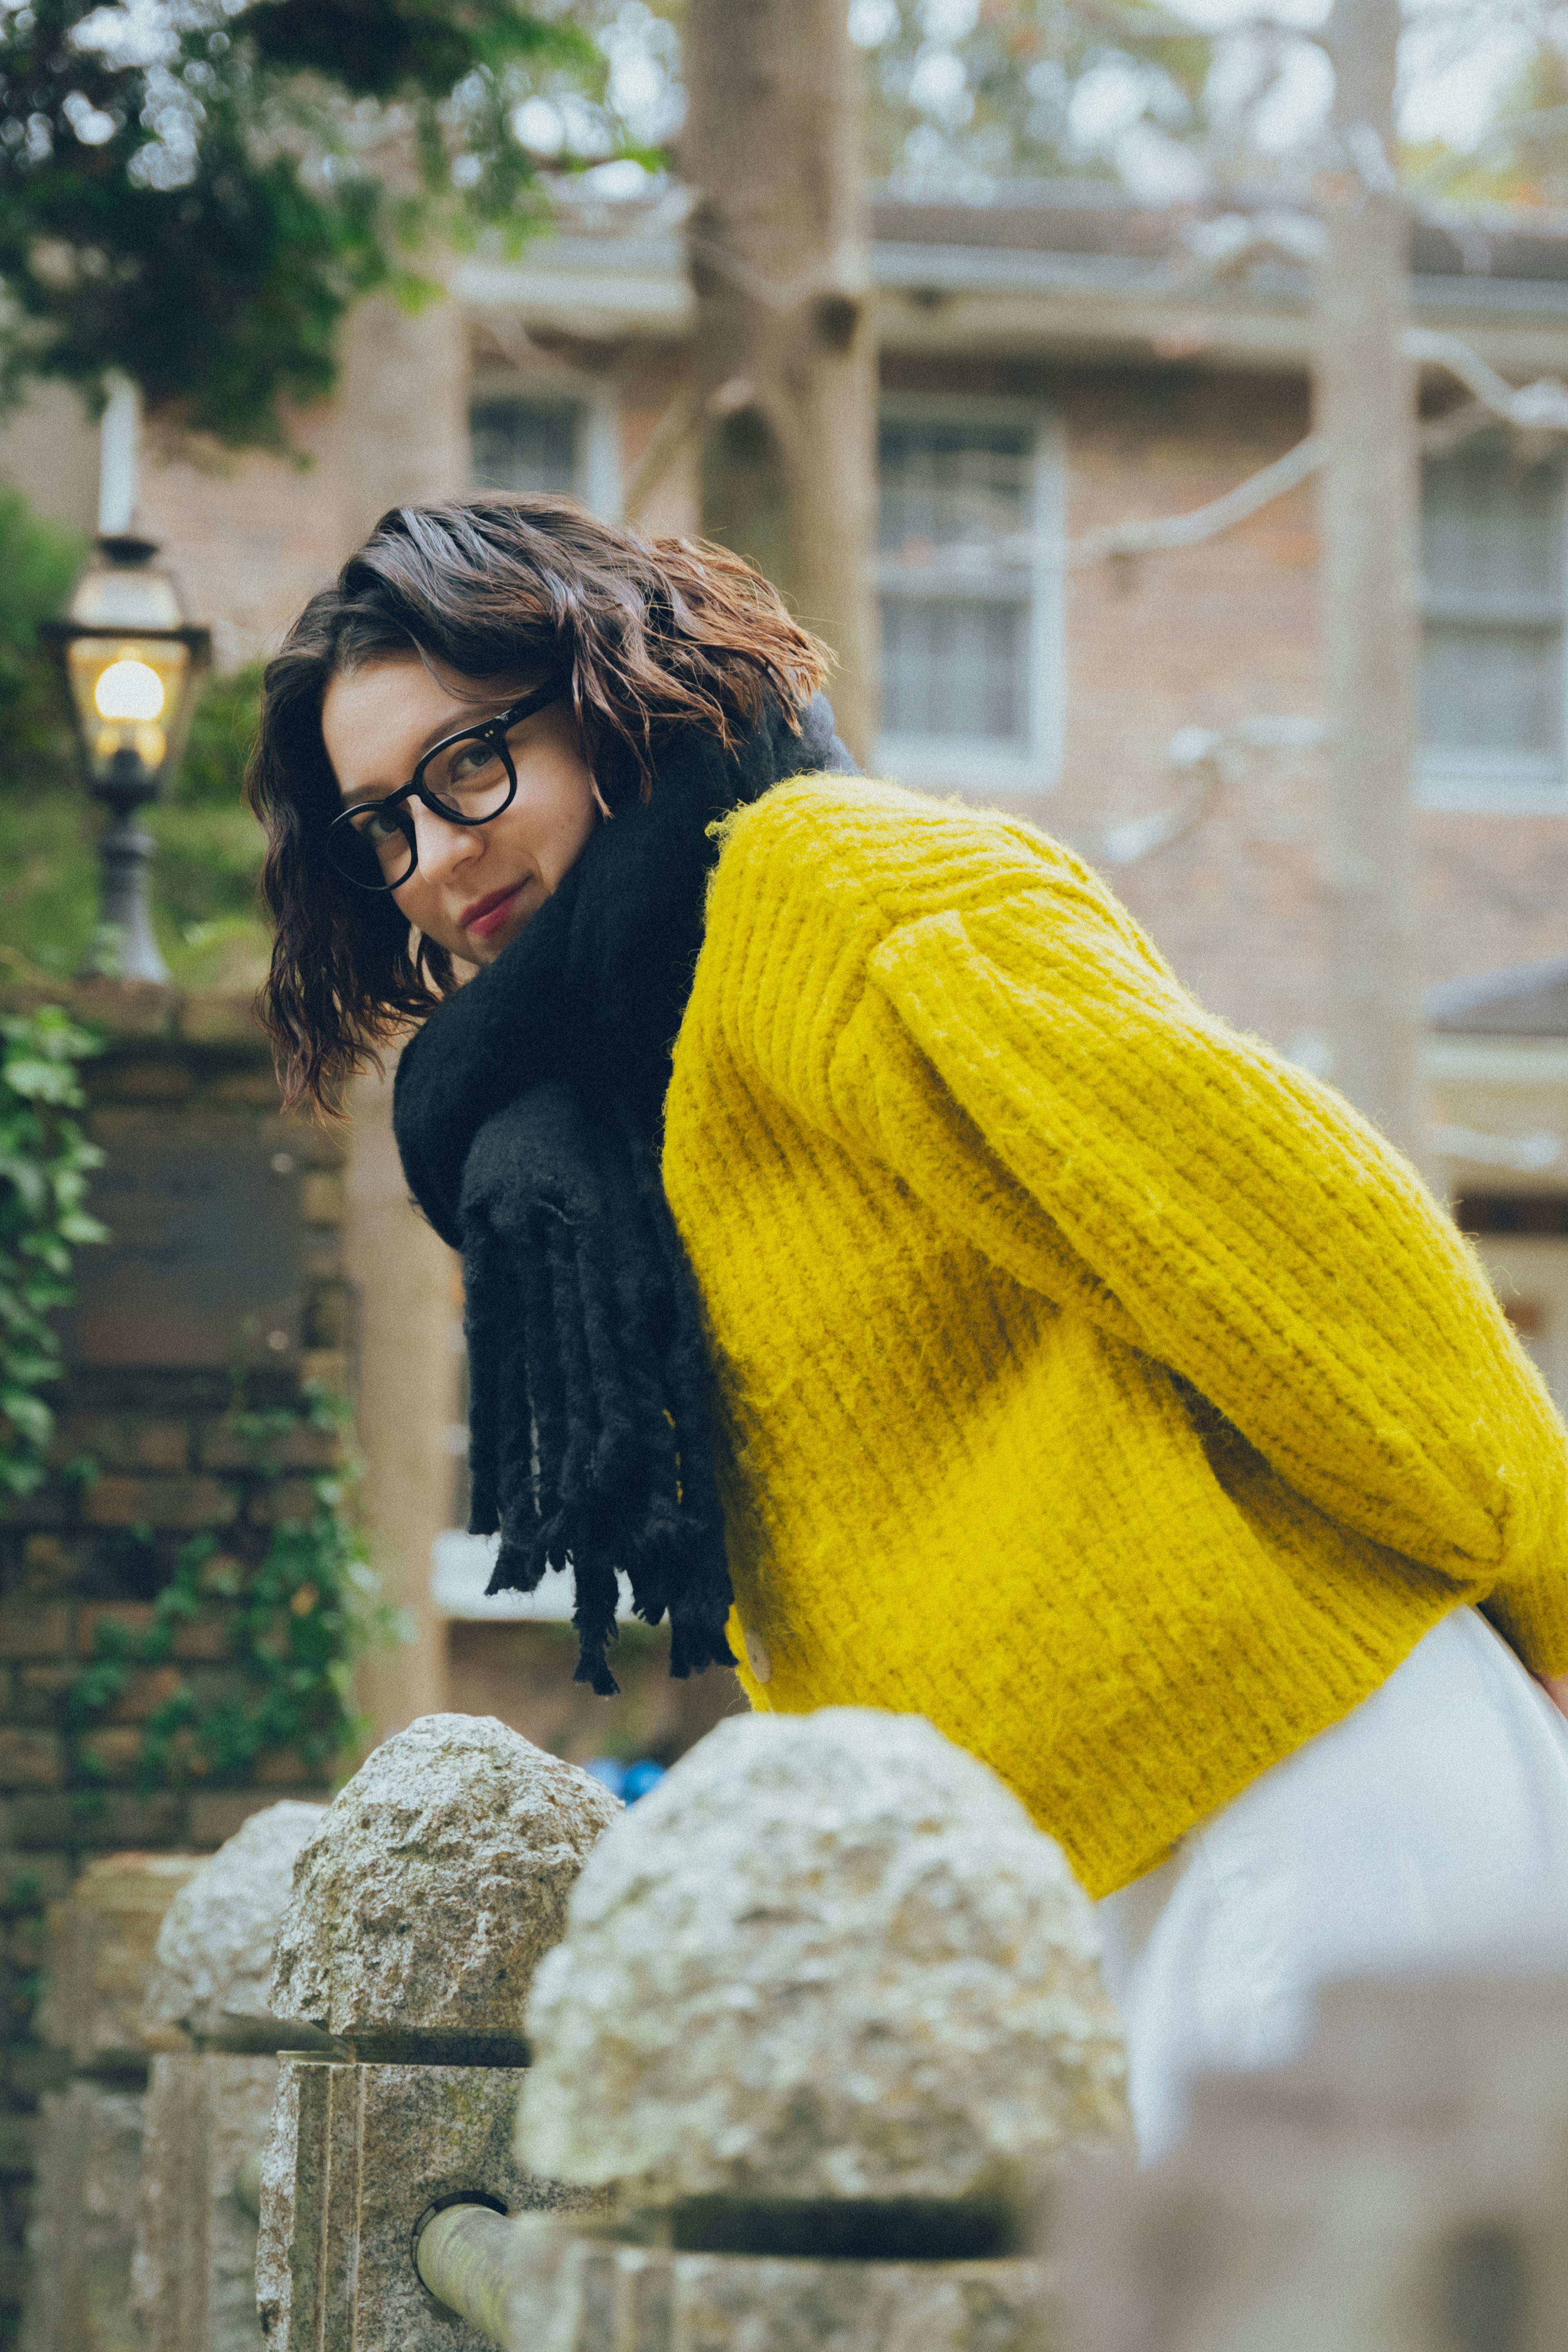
x=295, y=1606
x=296, y=1619
x=45, y=1159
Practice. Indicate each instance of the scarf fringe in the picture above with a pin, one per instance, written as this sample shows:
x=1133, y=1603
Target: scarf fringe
x=591, y=1444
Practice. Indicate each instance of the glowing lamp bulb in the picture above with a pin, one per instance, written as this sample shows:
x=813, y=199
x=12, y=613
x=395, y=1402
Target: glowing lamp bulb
x=128, y=689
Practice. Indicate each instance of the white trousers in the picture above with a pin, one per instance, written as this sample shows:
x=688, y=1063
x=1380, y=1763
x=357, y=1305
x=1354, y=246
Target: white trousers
x=1431, y=1824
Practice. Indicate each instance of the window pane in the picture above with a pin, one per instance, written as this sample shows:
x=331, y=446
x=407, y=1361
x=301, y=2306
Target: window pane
x=955, y=499
x=1491, y=689
x=948, y=485
x=953, y=666
x=520, y=447
x=1492, y=667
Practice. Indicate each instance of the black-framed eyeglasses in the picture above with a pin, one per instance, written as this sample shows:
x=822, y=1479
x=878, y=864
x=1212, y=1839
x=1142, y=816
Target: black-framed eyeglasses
x=467, y=777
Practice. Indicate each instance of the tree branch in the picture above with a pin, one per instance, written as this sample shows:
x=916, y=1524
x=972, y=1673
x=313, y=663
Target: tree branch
x=1538, y=407
x=1166, y=534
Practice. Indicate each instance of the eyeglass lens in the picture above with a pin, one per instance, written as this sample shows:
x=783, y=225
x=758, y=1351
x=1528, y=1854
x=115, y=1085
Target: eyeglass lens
x=470, y=781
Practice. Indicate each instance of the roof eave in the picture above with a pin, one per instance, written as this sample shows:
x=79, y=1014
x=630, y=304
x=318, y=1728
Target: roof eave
x=957, y=299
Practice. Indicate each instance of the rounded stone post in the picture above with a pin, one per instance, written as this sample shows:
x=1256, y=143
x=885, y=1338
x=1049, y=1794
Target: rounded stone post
x=827, y=2018
x=1401, y=2182
x=421, y=1907
x=84, y=2194
x=213, y=2084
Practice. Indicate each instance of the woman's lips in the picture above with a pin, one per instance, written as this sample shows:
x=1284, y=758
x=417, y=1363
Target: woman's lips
x=487, y=915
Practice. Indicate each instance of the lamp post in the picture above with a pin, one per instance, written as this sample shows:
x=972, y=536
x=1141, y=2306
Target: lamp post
x=129, y=661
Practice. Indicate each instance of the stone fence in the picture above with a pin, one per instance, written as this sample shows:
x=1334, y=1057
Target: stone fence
x=1402, y=2187
x=810, y=2049
x=89, y=2126
x=820, y=2018
x=212, y=2089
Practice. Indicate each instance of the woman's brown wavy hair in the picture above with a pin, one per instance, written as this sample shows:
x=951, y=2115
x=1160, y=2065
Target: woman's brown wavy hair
x=652, y=634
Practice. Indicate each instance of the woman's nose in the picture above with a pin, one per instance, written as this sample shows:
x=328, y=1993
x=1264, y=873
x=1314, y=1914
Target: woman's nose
x=444, y=848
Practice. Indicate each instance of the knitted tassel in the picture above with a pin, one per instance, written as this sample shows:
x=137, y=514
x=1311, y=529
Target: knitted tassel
x=590, y=1439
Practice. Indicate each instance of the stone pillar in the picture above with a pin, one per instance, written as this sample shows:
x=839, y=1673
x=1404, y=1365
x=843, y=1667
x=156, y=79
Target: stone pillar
x=409, y=1290
x=212, y=2088
x=103, y=1937
x=420, y=1909
x=1402, y=2184
x=827, y=2021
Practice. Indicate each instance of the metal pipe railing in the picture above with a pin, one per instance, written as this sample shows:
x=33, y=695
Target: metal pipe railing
x=461, y=2256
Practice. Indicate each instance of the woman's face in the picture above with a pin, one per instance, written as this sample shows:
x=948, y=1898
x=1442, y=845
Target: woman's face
x=475, y=886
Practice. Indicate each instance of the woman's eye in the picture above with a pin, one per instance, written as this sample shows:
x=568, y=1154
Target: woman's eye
x=376, y=826
x=470, y=762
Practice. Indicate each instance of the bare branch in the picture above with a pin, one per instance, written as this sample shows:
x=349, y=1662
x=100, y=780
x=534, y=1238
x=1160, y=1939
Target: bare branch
x=1211, y=759
x=846, y=271
x=1538, y=407
x=683, y=417
x=1167, y=533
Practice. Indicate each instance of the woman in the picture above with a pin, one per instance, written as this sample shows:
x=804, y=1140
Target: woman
x=854, y=1205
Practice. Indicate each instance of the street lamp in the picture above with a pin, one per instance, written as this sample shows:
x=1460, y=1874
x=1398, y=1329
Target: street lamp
x=129, y=661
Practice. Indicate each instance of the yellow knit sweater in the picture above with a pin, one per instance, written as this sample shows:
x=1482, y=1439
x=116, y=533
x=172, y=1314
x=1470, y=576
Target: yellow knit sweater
x=1091, y=1380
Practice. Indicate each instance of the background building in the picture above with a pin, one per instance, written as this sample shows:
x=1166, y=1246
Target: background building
x=1059, y=360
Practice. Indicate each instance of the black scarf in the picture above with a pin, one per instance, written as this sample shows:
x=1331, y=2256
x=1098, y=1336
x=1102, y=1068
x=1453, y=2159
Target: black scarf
x=528, y=1112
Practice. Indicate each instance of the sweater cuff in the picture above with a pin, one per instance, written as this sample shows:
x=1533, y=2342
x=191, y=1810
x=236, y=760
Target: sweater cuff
x=1533, y=1621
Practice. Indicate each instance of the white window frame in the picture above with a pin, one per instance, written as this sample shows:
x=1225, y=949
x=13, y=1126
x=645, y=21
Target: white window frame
x=595, y=423
x=949, y=762
x=1497, y=782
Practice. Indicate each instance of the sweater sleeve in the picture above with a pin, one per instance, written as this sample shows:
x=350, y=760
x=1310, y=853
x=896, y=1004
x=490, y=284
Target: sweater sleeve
x=1029, y=1067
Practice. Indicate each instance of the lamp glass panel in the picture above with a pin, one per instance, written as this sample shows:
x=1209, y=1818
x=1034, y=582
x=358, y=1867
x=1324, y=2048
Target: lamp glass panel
x=127, y=693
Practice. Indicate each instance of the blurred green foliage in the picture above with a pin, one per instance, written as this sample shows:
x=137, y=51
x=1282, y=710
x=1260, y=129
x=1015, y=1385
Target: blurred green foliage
x=210, y=847
x=194, y=191
x=962, y=96
x=1520, y=155
x=45, y=1159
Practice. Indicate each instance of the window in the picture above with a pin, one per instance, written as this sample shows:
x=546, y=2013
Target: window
x=549, y=439
x=970, y=665
x=520, y=445
x=1492, y=674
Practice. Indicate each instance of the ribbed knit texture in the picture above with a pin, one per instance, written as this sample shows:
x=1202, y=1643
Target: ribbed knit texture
x=1091, y=1380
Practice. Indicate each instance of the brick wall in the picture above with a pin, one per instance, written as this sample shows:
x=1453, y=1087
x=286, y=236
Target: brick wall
x=1218, y=633
x=1202, y=638
x=171, y=1463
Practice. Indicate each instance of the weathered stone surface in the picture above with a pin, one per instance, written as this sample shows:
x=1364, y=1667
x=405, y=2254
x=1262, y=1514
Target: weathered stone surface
x=431, y=1888
x=579, y=2294
x=213, y=1962
x=102, y=1935
x=102, y=1939
x=829, y=1957
x=84, y=2206
x=193, y=2272
x=207, y=2111
x=1402, y=2183
x=358, y=2155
